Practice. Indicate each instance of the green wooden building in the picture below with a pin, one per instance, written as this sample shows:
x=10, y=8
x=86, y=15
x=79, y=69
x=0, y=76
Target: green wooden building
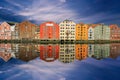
x=102, y=32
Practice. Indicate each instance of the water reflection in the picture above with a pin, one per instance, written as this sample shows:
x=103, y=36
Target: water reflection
x=59, y=62
x=65, y=53
x=101, y=51
x=90, y=50
x=25, y=52
x=5, y=52
x=114, y=50
x=81, y=51
x=49, y=52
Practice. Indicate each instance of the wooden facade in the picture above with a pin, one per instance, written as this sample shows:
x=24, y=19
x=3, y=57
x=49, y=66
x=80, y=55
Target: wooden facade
x=5, y=31
x=81, y=31
x=26, y=30
x=49, y=31
x=114, y=32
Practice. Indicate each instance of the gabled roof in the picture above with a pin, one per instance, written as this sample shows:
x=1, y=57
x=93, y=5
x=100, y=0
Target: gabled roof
x=4, y=23
x=113, y=26
x=27, y=22
x=81, y=24
x=67, y=20
x=49, y=22
x=93, y=25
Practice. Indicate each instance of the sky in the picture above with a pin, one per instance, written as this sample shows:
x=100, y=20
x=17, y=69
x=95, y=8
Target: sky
x=38, y=11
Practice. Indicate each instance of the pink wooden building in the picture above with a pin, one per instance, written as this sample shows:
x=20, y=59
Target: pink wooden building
x=114, y=32
x=5, y=31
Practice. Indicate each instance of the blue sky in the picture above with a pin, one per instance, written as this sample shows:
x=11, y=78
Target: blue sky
x=37, y=11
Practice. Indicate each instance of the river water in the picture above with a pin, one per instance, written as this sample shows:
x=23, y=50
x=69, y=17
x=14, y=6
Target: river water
x=60, y=61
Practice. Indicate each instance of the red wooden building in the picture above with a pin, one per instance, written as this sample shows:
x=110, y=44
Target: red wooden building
x=49, y=53
x=49, y=31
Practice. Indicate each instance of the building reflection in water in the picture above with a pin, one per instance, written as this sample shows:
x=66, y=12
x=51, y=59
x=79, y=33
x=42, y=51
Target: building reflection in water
x=90, y=50
x=5, y=52
x=49, y=52
x=81, y=51
x=67, y=53
x=101, y=51
x=25, y=52
x=114, y=50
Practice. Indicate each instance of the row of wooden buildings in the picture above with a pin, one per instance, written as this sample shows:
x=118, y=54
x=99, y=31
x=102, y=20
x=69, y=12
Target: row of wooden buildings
x=65, y=30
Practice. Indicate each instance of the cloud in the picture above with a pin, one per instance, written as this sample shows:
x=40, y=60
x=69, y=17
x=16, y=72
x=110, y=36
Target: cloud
x=40, y=70
x=59, y=10
x=14, y=3
x=44, y=10
x=3, y=8
x=62, y=79
x=63, y=1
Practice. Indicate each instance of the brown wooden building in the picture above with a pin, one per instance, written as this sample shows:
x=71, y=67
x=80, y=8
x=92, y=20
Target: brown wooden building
x=26, y=30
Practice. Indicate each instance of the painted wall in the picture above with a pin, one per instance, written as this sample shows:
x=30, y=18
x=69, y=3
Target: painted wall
x=26, y=30
x=102, y=32
x=67, y=30
x=114, y=32
x=81, y=32
x=5, y=31
x=49, y=31
x=91, y=33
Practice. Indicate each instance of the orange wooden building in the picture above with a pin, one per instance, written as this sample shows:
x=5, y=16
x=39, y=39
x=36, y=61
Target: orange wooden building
x=81, y=31
x=49, y=31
